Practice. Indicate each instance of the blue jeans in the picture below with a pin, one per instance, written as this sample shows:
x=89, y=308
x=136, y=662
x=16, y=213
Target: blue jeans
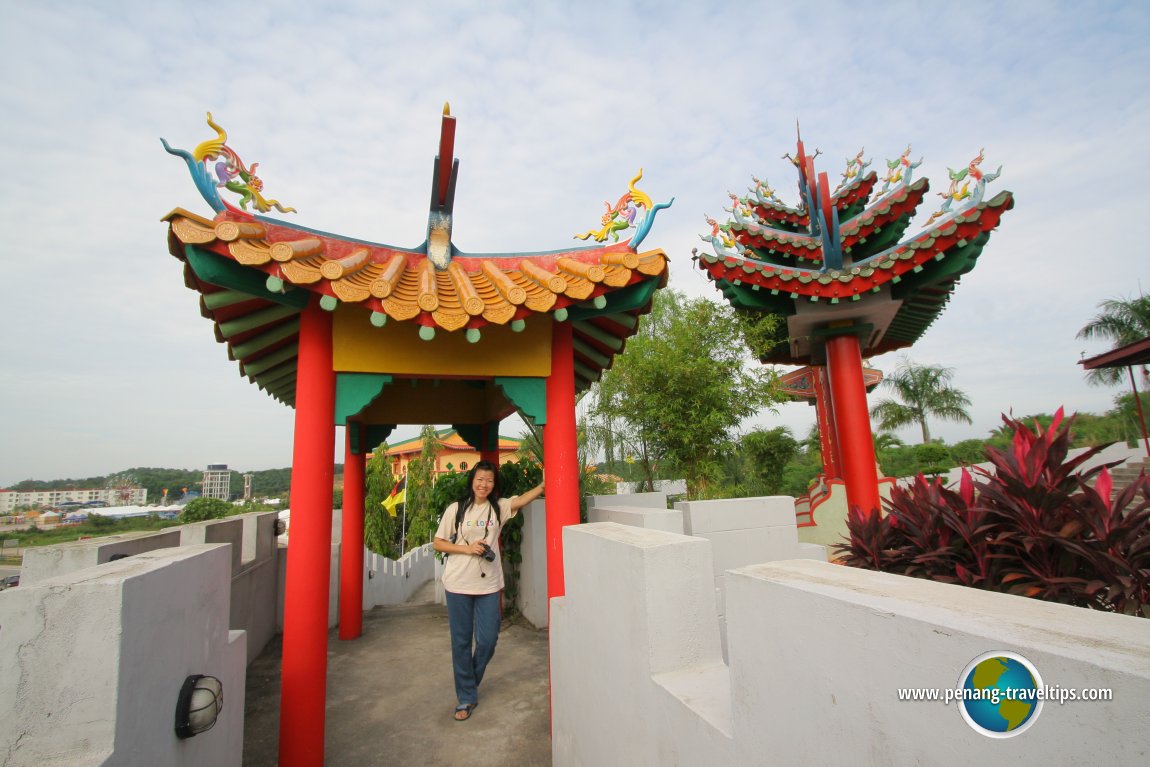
x=472, y=616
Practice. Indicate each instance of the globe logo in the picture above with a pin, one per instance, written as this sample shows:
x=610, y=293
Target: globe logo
x=1001, y=694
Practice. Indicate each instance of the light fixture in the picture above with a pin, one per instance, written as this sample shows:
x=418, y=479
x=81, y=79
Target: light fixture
x=199, y=705
x=281, y=527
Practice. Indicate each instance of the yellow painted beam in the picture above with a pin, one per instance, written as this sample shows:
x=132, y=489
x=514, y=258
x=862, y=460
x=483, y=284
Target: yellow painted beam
x=397, y=349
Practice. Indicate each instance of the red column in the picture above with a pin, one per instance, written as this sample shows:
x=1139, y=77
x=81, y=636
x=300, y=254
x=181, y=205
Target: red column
x=852, y=422
x=351, y=540
x=561, y=454
x=486, y=436
x=828, y=440
x=303, y=685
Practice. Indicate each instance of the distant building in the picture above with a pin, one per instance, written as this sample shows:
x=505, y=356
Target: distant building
x=108, y=496
x=217, y=482
x=454, y=453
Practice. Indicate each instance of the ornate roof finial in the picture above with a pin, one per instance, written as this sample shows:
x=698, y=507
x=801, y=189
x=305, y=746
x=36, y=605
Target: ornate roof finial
x=447, y=109
x=634, y=209
x=214, y=165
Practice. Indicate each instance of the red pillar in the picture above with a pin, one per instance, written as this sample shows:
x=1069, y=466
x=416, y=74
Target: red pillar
x=852, y=422
x=486, y=437
x=303, y=685
x=828, y=440
x=561, y=454
x=351, y=540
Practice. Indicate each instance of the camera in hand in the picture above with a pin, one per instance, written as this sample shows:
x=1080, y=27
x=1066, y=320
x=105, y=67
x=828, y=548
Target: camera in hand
x=488, y=553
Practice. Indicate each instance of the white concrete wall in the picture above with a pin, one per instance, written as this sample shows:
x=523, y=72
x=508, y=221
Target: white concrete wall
x=634, y=642
x=742, y=531
x=656, y=500
x=393, y=581
x=92, y=661
x=670, y=520
x=252, y=564
x=42, y=562
x=255, y=584
x=533, y=567
x=817, y=655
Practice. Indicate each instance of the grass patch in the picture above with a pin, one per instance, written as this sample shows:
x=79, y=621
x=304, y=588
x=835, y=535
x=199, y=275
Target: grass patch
x=34, y=536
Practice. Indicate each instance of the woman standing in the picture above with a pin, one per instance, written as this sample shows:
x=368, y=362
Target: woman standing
x=468, y=536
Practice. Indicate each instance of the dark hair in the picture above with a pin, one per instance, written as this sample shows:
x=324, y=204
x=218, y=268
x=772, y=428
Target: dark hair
x=468, y=499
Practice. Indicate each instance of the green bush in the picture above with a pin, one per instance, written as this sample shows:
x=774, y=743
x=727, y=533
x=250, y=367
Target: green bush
x=201, y=509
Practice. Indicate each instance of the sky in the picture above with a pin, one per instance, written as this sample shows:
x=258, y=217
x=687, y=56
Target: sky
x=108, y=364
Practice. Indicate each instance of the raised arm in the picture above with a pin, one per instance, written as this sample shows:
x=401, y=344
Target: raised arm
x=519, y=501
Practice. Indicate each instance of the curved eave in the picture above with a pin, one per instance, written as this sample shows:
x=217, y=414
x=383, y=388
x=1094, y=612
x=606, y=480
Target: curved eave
x=851, y=198
x=882, y=223
x=777, y=243
x=925, y=251
x=602, y=290
x=475, y=290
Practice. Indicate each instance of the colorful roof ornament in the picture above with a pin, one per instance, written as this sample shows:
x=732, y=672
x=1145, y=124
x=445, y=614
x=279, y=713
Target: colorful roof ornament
x=214, y=165
x=635, y=209
x=839, y=257
x=256, y=273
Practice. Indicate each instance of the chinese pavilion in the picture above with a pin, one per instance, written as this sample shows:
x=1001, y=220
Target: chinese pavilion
x=837, y=267
x=367, y=336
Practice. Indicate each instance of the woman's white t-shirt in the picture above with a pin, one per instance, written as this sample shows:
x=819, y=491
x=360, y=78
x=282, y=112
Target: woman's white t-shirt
x=467, y=573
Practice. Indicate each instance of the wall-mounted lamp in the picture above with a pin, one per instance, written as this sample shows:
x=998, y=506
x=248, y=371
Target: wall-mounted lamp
x=199, y=705
x=281, y=527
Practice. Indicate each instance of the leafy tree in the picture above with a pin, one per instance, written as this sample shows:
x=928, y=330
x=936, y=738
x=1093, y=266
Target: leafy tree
x=933, y=458
x=925, y=390
x=1120, y=321
x=1125, y=415
x=684, y=385
x=379, y=527
x=201, y=509
x=969, y=451
x=763, y=456
x=422, y=516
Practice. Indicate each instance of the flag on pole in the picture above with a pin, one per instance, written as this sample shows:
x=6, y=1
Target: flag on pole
x=398, y=495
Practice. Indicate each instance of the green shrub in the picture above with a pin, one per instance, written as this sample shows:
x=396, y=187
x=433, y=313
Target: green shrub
x=201, y=509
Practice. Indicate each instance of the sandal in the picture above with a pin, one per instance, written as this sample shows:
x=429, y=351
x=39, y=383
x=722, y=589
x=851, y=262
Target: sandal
x=463, y=711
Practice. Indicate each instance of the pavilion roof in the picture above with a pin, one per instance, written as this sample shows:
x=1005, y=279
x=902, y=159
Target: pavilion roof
x=449, y=439
x=1136, y=353
x=255, y=274
x=855, y=267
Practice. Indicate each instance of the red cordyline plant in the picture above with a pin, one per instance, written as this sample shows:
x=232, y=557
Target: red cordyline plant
x=1034, y=524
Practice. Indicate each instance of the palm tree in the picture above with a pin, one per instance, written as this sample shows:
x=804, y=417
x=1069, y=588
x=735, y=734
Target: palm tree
x=1120, y=321
x=925, y=390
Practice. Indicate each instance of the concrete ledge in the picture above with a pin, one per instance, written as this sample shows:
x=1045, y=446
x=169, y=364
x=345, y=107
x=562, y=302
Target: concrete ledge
x=654, y=500
x=815, y=696
x=670, y=520
x=227, y=530
x=43, y=562
x=639, y=607
x=818, y=654
x=737, y=514
x=92, y=661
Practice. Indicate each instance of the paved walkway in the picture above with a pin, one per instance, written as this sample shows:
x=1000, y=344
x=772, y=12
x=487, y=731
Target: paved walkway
x=390, y=697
